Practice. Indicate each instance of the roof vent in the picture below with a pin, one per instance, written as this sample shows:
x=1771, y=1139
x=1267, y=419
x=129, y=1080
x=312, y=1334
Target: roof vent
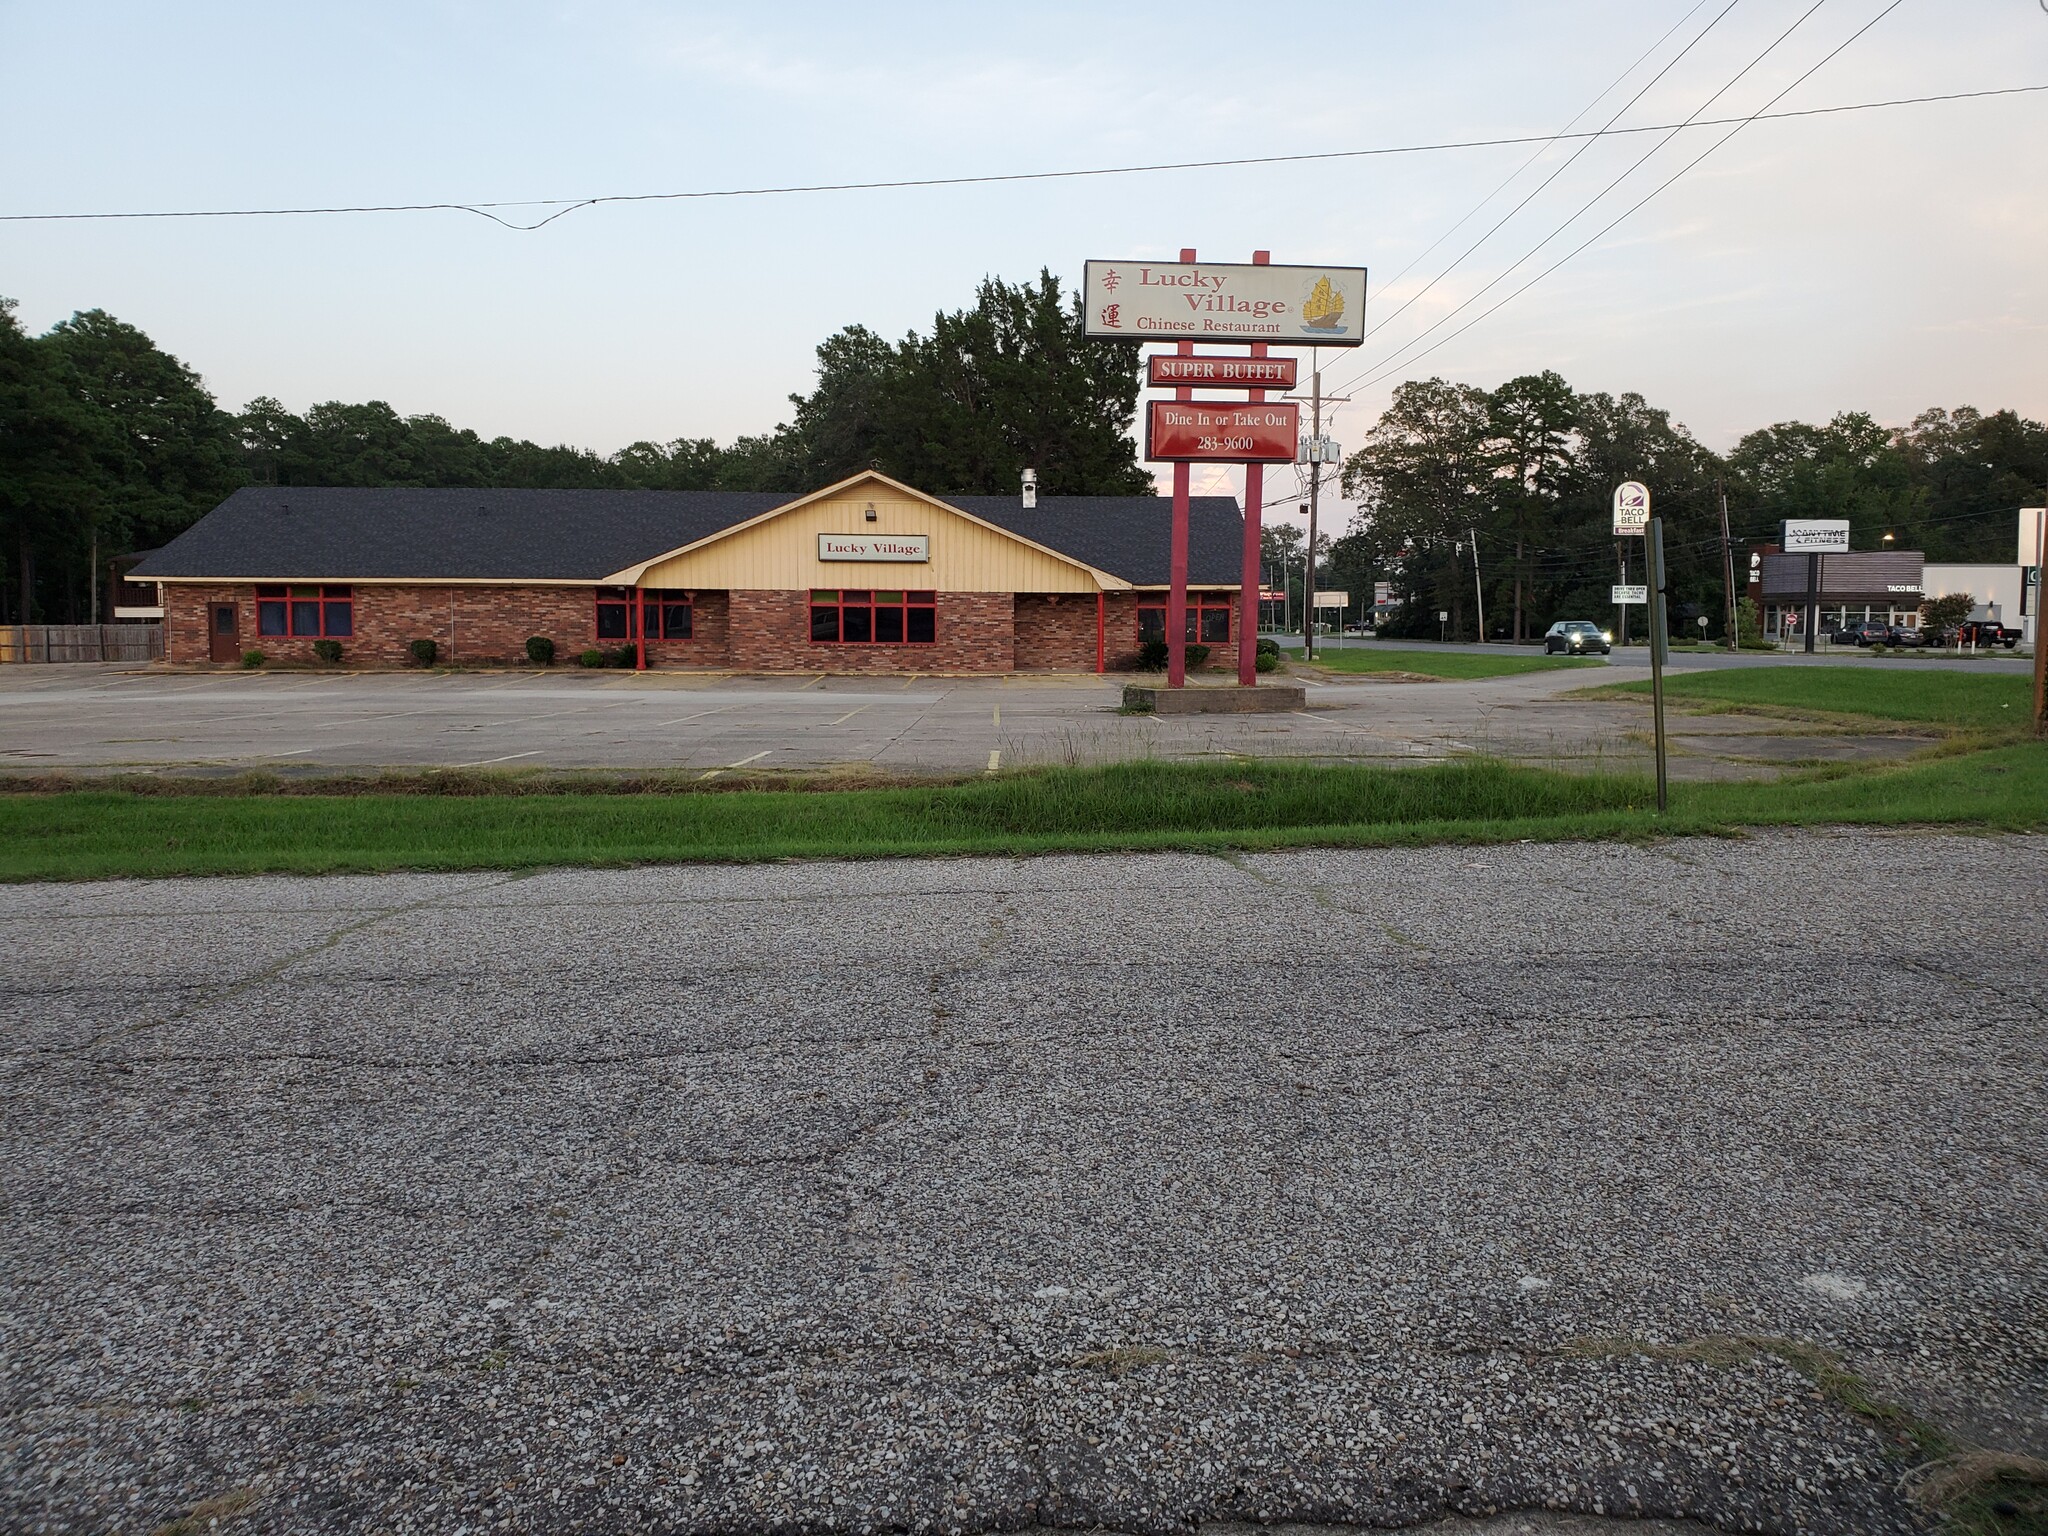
x=1030, y=488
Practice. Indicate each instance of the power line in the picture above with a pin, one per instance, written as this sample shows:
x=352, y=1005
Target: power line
x=1384, y=371
x=567, y=205
x=1390, y=360
x=1556, y=171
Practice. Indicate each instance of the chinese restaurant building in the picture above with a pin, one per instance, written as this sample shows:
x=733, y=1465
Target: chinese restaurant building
x=867, y=576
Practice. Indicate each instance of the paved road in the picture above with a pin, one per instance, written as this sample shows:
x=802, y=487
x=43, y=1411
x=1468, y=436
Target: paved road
x=969, y=1194
x=92, y=718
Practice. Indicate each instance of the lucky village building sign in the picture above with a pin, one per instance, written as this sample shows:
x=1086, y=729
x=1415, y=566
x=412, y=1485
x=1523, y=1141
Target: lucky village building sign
x=913, y=547
x=1163, y=301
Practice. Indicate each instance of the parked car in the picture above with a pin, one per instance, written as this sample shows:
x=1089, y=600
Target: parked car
x=1869, y=632
x=1983, y=632
x=1906, y=635
x=1576, y=637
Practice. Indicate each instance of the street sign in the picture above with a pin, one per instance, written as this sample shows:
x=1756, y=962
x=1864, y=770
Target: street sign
x=1333, y=599
x=1202, y=433
x=1816, y=536
x=1637, y=595
x=1631, y=509
x=1169, y=369
x=1214, y=301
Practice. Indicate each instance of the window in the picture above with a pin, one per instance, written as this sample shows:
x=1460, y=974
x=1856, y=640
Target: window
x=323, y=612
x=670, y=613
x=1208, y=619
x=863, y=617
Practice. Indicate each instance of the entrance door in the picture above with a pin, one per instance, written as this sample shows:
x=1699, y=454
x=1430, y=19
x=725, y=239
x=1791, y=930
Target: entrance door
x=224, y=640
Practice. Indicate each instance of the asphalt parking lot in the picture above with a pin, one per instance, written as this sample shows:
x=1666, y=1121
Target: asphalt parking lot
x=971, y=1195
x=95, y=719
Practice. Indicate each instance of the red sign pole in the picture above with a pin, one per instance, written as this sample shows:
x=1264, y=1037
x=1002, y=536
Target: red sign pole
x=1248, y=574
x=1177, y=593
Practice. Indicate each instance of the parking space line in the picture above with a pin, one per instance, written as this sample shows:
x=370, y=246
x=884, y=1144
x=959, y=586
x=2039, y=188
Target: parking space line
x=486, y=762
x=847, y=716
x=715, y=772
x=994, y=760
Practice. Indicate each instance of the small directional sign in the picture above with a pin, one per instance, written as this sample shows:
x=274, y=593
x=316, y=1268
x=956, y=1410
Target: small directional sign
x=1631, y=594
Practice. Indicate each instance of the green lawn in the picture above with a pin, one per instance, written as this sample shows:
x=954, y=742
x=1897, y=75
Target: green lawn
x=1450, y=664
x=1963, y=700
x=93, y=834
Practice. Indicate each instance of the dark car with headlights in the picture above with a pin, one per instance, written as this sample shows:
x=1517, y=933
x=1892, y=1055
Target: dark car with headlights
x=1576, y=637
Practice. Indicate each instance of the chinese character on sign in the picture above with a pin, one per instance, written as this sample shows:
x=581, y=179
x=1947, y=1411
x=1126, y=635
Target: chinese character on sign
x=1110, y=279
x=1111, y=315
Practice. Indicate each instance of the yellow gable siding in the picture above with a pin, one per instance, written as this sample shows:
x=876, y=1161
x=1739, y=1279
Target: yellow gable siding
x=781, y=554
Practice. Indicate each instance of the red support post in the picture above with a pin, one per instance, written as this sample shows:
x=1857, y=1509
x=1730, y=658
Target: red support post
x=640, y=644
x=1101, y=604
x=1248, y=573
x=1177, y=576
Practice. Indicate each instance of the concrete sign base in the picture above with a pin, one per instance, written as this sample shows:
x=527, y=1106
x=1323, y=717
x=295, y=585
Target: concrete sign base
x=1265, y=699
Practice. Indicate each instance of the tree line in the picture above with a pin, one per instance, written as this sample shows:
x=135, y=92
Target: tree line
x=1524, y=473
x=110, y=444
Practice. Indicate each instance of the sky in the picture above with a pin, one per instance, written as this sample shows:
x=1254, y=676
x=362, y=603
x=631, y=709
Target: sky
x=1883, y=261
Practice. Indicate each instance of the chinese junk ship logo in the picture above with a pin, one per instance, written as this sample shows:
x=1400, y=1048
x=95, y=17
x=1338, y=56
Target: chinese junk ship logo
x=1323, y=309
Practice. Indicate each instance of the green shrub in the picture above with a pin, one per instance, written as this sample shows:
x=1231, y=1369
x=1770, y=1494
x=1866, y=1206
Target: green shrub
x=591, y=658
x=1198, y=655
x=540, y=650
x=622, y=655
x=1152, y=656
x=1268, y=646
x=423, y=652
x=327, y=650
x=253, y=659
x=1268, y=661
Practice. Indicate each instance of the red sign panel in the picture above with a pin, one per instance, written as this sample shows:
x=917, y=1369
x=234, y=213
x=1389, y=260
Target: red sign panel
x=1199, y=432
x=1166, y=368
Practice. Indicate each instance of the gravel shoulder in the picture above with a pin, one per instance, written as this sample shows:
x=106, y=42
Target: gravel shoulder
x=1357, y=1188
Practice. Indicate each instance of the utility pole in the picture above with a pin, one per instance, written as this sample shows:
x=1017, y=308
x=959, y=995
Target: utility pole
x=1660, y=633
x=1478, y=591
x=1727, y=566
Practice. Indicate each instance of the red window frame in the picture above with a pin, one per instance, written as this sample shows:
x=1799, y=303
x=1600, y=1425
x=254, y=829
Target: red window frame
x=868, y=616
x=305, y=611
x=671, y=613
x=1210, y=617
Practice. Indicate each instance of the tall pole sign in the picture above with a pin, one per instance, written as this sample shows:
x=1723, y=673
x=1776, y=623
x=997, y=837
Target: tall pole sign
x=1631, y=520
x=1255, y=305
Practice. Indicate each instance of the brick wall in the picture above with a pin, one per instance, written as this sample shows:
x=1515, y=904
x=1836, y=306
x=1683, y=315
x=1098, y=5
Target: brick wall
x=468, y=624
x=1057, y=633
x=771, y=632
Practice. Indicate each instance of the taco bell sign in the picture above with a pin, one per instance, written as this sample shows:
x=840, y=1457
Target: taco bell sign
x=1212, y=301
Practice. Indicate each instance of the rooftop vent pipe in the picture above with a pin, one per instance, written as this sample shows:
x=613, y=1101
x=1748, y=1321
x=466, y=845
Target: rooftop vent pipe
x=1030, y=488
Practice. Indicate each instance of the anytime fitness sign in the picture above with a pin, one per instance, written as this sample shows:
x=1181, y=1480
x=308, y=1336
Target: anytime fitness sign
x=1207, y=301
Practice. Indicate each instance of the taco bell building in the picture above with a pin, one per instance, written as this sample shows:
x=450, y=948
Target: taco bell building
x=866, y=576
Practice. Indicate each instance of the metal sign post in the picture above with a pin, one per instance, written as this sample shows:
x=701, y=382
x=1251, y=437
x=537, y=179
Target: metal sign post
x=1659, y=649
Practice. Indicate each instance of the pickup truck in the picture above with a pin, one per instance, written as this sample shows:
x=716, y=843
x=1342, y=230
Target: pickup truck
x=1982, y=632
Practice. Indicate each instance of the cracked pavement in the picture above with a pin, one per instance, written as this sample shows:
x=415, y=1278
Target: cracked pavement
x=972, y=1195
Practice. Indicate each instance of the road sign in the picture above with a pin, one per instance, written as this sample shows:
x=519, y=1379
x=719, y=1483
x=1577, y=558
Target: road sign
x=1631, y=509
x=1221, y=301
x=1637, y=595
x=1333, y=599
x=1201, y=433
x=1816, y=536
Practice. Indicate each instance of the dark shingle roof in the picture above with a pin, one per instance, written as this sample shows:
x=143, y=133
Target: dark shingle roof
x=343, y=534
x=1128, y=536
x=437, y=535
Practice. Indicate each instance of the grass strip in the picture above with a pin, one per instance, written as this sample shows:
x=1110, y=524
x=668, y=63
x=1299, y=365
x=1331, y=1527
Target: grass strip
x=1448, y=664
x=1958, y=700
x=1129, y=806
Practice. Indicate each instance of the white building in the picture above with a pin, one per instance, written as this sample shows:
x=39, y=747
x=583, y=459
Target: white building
x=2006, y=594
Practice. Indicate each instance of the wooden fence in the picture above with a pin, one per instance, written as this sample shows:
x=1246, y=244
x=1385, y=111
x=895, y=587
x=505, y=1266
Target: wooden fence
x=81, y=642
